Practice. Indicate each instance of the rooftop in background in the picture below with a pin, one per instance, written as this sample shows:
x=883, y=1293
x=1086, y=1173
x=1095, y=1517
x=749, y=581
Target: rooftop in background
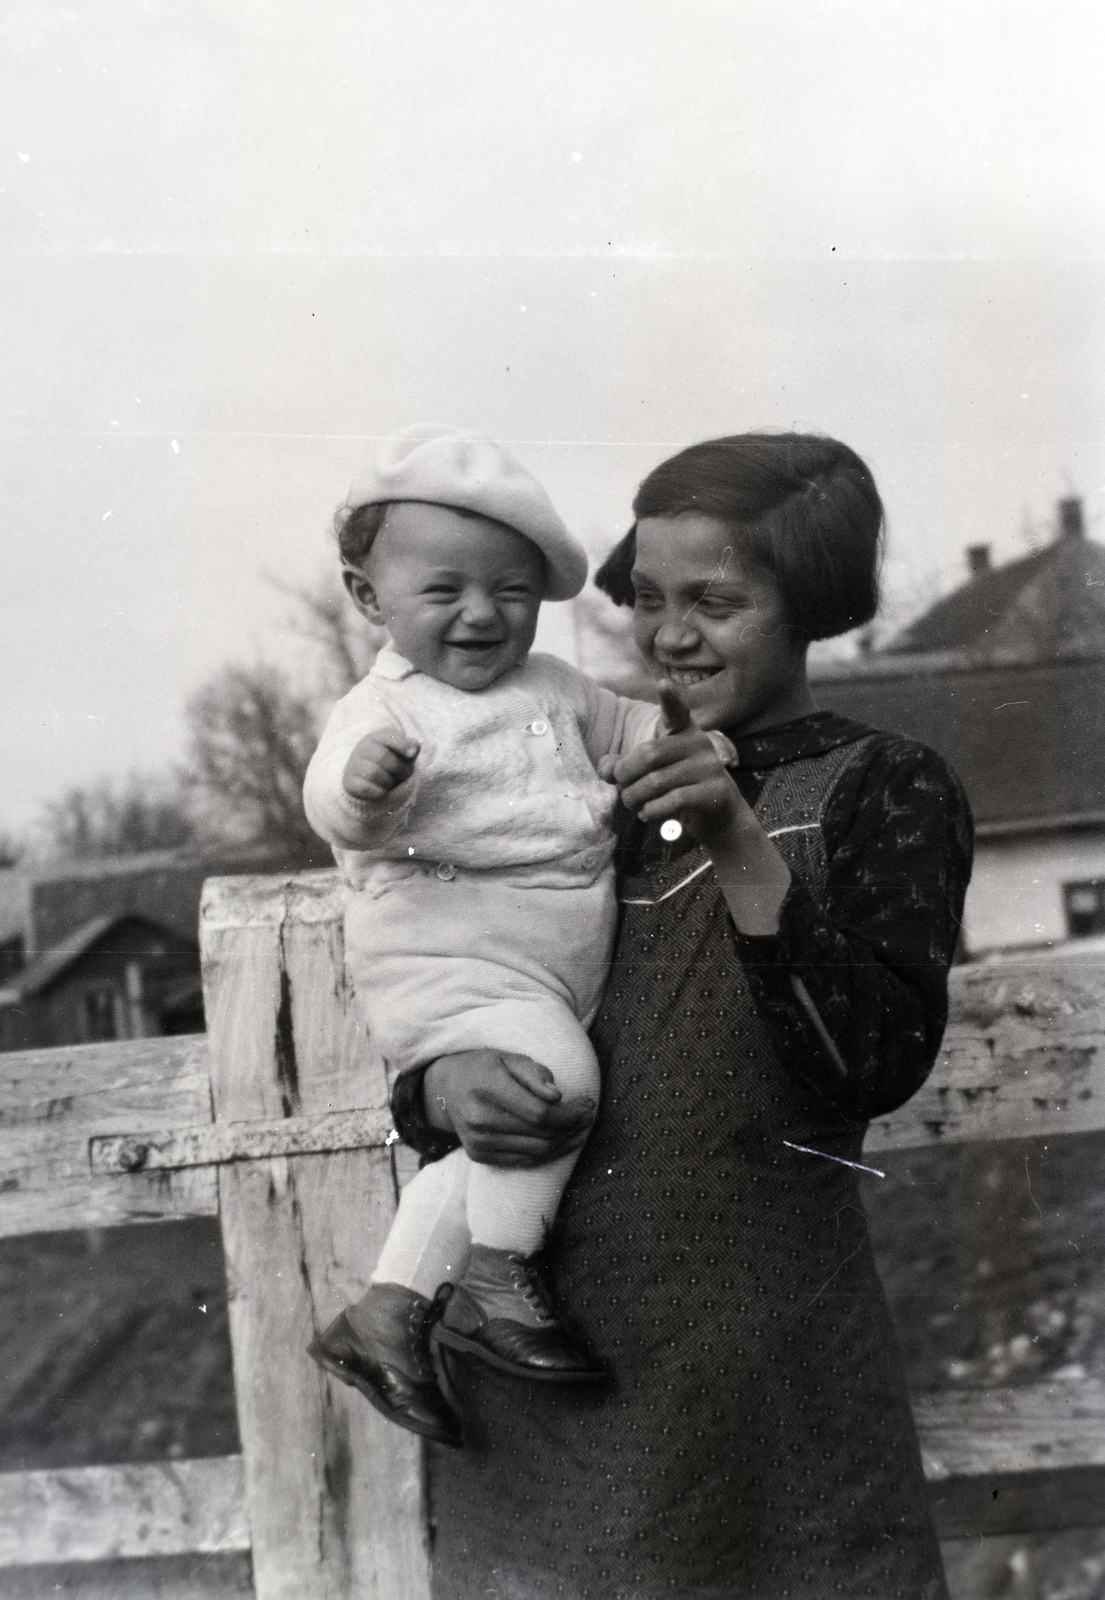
x=1049, y=606
x=44, y=903
x=1006, y=679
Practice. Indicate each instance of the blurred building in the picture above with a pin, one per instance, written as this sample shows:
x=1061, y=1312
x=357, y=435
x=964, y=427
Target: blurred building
x=1006, y=678
x=107, y=948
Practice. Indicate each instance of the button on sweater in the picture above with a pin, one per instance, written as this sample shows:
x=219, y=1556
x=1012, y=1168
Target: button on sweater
x=504, y=777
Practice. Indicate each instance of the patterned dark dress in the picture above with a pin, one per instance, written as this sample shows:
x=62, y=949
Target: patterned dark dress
x=756, y=1442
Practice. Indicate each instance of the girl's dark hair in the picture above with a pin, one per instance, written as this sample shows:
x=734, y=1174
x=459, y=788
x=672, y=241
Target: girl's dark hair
x=357, y=529
x=803, y=506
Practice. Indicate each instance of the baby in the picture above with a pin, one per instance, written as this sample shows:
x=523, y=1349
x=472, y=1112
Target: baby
x=457, y=784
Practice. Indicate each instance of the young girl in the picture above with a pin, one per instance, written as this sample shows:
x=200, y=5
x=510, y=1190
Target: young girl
x=457, y=784
x=779, y=978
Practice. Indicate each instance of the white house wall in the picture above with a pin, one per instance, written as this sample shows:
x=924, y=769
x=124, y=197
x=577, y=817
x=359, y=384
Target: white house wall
x=1016, y=892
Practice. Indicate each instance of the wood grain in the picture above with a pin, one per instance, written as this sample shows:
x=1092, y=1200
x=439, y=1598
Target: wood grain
x=210, y=1577
x=96, y=1513
x=53, y=1101
x=334, y=1493
x=969, y=1432
x=221, y=1142
x=1022, y=1502
x=1023, y=1057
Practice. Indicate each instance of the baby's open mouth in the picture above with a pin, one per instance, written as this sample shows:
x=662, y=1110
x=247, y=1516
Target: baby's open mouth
x=474, y=645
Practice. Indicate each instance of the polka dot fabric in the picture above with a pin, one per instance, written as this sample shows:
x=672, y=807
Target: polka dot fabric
x=755, y=1441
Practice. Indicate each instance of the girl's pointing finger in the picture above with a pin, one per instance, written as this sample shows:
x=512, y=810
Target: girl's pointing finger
x=673, y=708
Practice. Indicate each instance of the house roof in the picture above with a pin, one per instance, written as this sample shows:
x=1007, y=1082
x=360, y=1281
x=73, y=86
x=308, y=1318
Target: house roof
x=1006, y=679
x=1028, y=741
x=49, y=965
x=1048, y=606
x=47, y=901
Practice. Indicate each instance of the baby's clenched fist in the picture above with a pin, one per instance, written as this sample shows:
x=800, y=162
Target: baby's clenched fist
x=379, y=763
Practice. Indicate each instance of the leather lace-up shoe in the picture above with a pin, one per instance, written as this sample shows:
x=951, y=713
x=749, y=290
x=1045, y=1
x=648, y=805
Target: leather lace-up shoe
x=501, y=1312
x=387, y=1357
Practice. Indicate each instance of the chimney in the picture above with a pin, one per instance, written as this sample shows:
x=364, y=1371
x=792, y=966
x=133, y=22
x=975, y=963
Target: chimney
x=1071, y=524
x=978, y=559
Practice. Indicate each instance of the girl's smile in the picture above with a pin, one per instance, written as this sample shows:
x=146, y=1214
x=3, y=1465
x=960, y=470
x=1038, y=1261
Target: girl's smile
x=714, y=623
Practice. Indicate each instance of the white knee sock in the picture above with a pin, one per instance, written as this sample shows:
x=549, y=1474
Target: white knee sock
x=428, y=1242
x=510, y=1208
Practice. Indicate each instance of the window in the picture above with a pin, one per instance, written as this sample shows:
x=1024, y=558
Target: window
x=1085, y=905
x=101, y=1014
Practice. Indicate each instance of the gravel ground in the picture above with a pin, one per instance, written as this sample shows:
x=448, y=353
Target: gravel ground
x=114, y=1347
x=993, y=1258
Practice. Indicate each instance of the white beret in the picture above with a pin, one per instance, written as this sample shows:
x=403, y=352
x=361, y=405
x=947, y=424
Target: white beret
x=449, y=468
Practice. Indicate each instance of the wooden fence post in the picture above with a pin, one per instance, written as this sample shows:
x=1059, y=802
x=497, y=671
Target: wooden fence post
x=335, y=1495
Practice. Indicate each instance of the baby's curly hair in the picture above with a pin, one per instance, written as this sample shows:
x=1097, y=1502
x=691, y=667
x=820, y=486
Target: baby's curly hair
x=356, y=529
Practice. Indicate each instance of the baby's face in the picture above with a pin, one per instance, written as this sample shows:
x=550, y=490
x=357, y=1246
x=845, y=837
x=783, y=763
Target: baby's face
x=458, y=594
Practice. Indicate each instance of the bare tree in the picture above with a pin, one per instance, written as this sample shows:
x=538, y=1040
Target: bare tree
x=12, y=850
x=252, y=735
x=253, y=730
x=109, y=818
x=342, y=645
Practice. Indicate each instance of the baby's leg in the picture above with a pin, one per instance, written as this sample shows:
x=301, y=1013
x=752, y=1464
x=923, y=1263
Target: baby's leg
x=510, y=1208
x=428, y=1242
x=381, y=1344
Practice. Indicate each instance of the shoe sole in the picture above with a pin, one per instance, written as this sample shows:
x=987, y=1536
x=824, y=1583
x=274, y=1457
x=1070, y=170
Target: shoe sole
x=338, y=1369
x=472, y=1347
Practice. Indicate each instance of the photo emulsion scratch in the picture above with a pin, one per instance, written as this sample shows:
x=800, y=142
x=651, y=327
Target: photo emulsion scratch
x=723, y=562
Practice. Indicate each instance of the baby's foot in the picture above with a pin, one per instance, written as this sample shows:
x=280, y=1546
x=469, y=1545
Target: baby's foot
x=501, y=1311
x=381, y=1347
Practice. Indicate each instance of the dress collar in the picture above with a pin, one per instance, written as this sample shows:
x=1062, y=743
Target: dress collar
x=811, y=735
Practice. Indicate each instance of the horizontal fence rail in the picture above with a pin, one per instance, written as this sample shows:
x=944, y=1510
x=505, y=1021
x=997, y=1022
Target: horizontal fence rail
x=159, y=1508
x=977, y=1432
x=52, y=1102
x=277, y=1121
x=222, y=1142
x=1023, y=1057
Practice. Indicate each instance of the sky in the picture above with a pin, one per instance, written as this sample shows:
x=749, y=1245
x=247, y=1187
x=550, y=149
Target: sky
x=242, y=239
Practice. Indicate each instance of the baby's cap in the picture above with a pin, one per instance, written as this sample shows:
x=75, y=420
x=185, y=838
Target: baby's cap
x=450, y=468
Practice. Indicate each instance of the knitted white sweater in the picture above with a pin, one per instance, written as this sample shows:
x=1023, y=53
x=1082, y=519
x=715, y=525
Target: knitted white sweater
x=504, y=777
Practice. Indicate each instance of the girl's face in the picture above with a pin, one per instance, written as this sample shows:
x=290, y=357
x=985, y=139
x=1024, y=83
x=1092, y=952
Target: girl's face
x=713, y=622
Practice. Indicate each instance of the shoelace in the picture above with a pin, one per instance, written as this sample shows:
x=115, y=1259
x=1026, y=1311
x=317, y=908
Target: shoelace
x=421, y=1321
x=524, y=1278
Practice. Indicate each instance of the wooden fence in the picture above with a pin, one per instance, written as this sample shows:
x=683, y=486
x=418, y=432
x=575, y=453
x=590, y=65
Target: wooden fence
x=274, y=1122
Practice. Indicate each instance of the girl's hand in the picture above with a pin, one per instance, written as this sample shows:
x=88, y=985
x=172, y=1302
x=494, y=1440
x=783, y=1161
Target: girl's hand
x=505, y=1109
x=379, y=763
x=681, y=775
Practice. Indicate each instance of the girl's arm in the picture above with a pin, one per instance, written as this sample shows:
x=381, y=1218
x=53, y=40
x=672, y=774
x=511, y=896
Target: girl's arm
x=504, y=1109
x=853, y=985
